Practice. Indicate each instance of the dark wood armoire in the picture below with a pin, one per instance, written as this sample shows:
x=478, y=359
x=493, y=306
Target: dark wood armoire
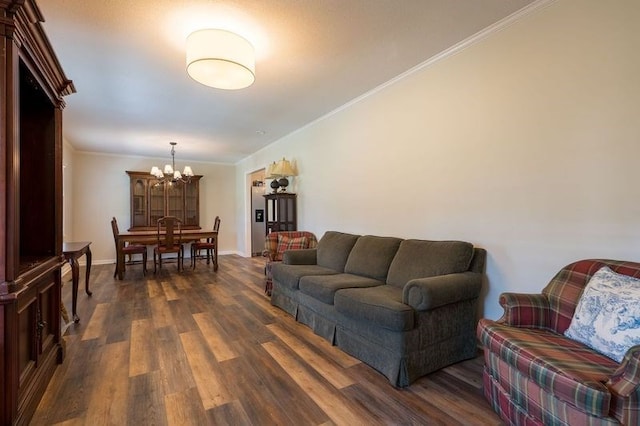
x=32, y=86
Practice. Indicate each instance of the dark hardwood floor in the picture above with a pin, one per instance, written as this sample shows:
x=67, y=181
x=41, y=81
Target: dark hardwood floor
x=200, y=347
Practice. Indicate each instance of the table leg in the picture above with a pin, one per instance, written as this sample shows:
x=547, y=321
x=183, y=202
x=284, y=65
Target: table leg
x=215, y=259
x=86, y=279
x=120, y=260
x=75, y=276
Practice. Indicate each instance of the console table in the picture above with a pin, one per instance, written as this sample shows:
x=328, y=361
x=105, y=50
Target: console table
x=72, y=252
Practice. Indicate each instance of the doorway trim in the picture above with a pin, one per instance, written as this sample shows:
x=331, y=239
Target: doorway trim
x=248, y=183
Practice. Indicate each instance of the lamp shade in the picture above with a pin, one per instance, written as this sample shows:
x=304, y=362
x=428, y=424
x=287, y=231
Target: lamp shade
x=270, y=171
x=283, y=168
x=220, y=59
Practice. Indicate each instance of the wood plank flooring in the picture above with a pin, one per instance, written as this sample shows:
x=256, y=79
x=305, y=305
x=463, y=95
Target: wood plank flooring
x=199, y=347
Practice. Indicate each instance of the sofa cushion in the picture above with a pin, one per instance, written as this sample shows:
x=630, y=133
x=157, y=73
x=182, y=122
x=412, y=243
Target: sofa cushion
x=607, y=318
x=289, y=275
x=371, y=256
x=324, y=287
x=569, y=370
x=376, y=306
x=334, y=248
x=421, y=259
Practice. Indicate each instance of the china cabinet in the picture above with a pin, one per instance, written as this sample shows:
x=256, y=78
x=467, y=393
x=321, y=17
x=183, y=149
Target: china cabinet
x=151, y=200
x=32, y=86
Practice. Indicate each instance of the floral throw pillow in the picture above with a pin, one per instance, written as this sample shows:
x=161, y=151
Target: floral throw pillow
x=286, y=243
x=607, y=318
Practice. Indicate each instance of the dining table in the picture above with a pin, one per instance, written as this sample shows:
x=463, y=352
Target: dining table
x=150, y=238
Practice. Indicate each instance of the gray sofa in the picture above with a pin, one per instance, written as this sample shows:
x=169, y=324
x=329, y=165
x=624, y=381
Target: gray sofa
x=405, y=307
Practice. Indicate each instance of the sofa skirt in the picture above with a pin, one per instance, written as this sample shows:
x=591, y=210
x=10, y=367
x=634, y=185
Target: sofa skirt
x=320, y=324
x=285, y=299
x=392, y=365
x=308, y=311
x=402, y=369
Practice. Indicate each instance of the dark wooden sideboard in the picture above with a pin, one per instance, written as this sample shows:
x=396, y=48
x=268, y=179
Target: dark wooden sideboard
x=32, y=86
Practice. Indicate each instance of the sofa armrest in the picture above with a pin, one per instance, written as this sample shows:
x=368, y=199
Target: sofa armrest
x=524, y=310
x=424, y=294
x=626, y=379
x=300, y=257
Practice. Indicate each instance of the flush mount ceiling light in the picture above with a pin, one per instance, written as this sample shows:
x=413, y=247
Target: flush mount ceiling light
x=220, y=59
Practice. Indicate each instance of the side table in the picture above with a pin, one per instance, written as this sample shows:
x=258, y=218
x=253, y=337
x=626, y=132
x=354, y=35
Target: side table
x=72, y=252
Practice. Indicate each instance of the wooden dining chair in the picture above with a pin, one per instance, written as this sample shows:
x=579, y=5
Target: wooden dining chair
x=169, y=241
x=128, y=251
x=210, y=247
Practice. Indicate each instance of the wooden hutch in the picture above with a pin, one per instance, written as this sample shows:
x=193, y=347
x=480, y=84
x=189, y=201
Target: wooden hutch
x=151, y=200
x=280, y=212
x=32, y=85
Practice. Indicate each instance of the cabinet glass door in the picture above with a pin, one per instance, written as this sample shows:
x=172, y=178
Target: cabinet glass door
x=191, y=204
x=156, y=202
x=139, y=202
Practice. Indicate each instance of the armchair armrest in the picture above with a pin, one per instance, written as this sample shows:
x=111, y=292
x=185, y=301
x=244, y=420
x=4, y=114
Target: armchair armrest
x=524, y=310
x=300, y=257
x=424, y=294
x=269, y=254
x=626, y=379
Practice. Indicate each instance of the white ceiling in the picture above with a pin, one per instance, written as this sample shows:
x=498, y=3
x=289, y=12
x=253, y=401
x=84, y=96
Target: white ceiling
x=126, y=58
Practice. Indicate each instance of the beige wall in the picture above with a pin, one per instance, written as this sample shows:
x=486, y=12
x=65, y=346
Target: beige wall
x=100, y=191
x=67, y=191
x=525, y=143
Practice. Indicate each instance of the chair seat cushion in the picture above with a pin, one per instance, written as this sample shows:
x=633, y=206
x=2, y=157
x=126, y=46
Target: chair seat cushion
x=324, y=287
x=201, y=245
x=168, y=249
x=569, y=370
x=380, y=306
x=134, y=249
x=289, y=275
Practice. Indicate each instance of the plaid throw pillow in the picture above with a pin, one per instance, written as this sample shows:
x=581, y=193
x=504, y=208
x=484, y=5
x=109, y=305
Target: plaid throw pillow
x=285, y=243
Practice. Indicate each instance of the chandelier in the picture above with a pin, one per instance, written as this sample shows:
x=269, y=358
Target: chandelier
x=174, y=175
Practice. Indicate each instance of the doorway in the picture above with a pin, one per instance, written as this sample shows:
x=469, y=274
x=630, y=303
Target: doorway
x=257, y=218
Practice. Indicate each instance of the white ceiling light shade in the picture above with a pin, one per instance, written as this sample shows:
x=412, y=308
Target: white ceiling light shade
x=220, y=59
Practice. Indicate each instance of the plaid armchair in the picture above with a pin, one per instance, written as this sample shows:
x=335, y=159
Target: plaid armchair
x=276, y=243
x=533, y=374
